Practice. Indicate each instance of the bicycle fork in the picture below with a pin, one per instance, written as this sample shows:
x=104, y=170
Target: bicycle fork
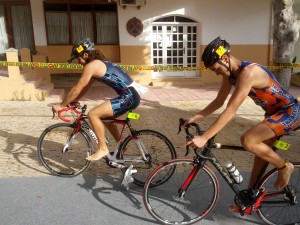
x=189, y=180
x=68, y=142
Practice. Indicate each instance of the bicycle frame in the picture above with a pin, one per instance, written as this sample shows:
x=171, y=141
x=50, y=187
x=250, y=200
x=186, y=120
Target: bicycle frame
x=81, y=123
x=207, y=155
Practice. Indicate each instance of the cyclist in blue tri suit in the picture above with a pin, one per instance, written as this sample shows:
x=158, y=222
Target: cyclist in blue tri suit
x=97, y=68
x=282, y=110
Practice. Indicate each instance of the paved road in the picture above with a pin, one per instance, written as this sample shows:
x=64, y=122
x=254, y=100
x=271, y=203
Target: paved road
x=29, y=195
x=89, y=200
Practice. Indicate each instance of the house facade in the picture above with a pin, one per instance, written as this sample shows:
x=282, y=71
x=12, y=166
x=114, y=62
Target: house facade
x=140, y=32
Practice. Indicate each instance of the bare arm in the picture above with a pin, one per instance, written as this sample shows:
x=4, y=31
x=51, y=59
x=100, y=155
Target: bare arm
x=84, y=90
x=81, y=86
x=243, y=87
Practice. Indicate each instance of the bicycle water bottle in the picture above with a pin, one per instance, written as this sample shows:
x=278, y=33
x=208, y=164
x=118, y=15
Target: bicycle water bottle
x=234, y=173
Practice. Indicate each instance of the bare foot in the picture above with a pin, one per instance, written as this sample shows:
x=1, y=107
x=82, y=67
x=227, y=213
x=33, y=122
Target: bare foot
x=97, y=155
x=233, y=208
x=283, y=176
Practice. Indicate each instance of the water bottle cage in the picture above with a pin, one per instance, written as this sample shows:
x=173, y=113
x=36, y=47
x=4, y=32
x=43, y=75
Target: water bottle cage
x=234, y=173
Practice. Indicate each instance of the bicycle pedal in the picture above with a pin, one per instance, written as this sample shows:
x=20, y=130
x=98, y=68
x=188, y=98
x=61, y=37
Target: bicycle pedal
x=242, y=212
x=128, y=176
x=248, y=210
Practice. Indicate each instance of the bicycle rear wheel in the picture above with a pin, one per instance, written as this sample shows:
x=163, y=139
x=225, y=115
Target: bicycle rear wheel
x=281, y=207
x=164, y=203
x=158, y=149
x=62, y=152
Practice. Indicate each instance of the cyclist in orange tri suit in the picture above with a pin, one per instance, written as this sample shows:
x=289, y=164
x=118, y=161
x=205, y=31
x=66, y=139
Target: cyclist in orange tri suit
x=257, y=82
x=97, y=68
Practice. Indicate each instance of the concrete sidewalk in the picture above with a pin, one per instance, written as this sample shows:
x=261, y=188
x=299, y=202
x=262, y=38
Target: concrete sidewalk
x=22, y=123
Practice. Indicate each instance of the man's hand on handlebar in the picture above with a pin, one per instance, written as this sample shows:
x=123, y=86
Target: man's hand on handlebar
x=197, y=142
x=56, y=108
x=186, y=122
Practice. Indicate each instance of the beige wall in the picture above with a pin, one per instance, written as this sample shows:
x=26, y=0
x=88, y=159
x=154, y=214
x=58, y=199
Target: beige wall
x=137, y=55
x=141, y=55
x=61, y=54
x=212, y=17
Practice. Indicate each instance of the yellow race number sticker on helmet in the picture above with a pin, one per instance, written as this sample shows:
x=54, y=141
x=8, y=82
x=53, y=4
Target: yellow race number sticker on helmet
x=134, y=116
x=79, y=49
x=220, y=51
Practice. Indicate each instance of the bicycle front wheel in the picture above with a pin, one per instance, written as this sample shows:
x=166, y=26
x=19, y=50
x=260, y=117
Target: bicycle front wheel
x=63, y=151
x=157, y=149
x=281, y=207
x=169, y=205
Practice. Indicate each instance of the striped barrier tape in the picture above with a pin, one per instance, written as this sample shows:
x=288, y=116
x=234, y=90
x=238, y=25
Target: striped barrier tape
x=276, y=66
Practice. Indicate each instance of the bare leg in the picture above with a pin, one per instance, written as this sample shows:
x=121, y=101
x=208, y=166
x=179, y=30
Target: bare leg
x=253, y=141
x=113, y=129
x=102, y=111
x=259, y=164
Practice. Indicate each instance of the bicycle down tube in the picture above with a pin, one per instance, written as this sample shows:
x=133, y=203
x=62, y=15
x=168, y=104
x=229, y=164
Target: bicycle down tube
x=84, y=125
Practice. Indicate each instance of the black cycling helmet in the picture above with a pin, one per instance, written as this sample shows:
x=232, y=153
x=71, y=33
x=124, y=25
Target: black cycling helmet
x=214, y=51
x=81, y=47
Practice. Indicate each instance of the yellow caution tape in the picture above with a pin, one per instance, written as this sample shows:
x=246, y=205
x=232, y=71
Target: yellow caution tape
x=281, y=145
x=42, y=65
x=130, y=67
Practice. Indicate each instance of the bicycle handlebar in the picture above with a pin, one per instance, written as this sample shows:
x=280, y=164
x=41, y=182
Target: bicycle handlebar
x=73, y=106
x=189, y=136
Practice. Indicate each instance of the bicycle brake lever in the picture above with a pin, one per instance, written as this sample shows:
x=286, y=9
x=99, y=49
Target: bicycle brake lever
x=181, y=121
x=187, y=150
x=53, y=115
x=179, y=129
x=188, y=138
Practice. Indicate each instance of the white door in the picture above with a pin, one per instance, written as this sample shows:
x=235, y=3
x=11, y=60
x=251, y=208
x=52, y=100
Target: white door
x=174, y=45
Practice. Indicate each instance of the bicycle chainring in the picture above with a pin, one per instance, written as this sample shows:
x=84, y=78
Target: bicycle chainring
x=244, y=199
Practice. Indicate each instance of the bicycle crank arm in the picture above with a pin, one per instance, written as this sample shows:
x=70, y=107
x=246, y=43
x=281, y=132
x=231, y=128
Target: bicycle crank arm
x=117, y=165
x=137, y=160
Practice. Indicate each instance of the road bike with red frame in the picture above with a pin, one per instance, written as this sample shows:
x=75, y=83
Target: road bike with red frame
x=63, y=147
x=193, y=190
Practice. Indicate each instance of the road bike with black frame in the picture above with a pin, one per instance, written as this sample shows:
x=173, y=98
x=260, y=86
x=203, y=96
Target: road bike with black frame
x=63, y=147
x=193, y=190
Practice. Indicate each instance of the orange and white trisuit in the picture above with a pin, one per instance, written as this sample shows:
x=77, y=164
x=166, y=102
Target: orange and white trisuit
x=282, y=109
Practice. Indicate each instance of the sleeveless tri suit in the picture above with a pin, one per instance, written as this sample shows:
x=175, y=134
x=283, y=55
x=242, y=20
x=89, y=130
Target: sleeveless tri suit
x=282, y=109
x=116, y=78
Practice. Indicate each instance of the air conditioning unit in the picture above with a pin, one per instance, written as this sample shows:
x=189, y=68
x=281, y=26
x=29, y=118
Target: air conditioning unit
x=137, y=3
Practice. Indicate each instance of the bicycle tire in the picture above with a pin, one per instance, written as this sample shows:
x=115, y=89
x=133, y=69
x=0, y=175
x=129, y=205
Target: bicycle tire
x=50, y=150
x=160, y=149
x=274, y=212
x=164, y=203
